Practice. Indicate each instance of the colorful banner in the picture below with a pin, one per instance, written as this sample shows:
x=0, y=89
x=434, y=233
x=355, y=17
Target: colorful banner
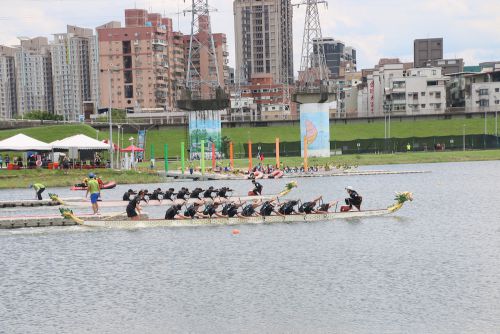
x=141, y=142
x=204, y=126
x=315, y=126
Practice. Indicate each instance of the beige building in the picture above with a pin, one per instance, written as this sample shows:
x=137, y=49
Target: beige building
x=263, y=31
x=34, y=76
x=75, y=72
x=8, y=96
x=135, y=62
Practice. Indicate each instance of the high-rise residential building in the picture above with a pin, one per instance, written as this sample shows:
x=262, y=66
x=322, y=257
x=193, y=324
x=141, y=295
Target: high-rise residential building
x=202, y=63
x=134, y=63
x=263, y=31
x=427, y=49
x=448, y=66
x=34, y=76
x=8, y=96
x=75, y=72
x=177, y=74
x=339, y=57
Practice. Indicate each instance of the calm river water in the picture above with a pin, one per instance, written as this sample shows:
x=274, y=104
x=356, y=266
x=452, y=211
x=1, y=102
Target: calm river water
x=434, y=267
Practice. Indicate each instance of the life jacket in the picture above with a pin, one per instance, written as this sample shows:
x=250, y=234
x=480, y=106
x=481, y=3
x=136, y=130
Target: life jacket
x=171, y=212
x=181, y=194
x=248, y=210
x=168, y=195
x=306, y=207
x=266, y=209
x=287, y=208
x=230, y=210
x=208, y=193
x=209, y=210
x=190, y=211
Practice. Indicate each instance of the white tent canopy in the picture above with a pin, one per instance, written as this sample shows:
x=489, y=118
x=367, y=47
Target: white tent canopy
x=21, y=142
x=79, y=142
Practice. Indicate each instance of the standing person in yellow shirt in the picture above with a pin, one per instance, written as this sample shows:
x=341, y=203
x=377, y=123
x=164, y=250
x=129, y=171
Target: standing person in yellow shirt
x=39, y=189
x=94, y=191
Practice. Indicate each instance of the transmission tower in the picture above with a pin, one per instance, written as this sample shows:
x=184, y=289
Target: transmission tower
x=313, y=68
x=202, y=81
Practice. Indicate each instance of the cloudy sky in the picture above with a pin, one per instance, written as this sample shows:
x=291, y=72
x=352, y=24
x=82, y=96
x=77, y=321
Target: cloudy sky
x=376, y=28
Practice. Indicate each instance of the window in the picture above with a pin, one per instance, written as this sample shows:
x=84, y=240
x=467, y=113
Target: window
x=483, y=91
x=422, y=105
x=438, y=95
x=422, y=93
x=484, y=103
x=497, y=101
x=497, y=90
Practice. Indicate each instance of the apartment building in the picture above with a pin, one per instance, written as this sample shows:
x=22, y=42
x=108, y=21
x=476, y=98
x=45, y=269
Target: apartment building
x=474, y=92
x=392, y=89
x=448, y=66
x=75, y=72
x=263, y=31
x=270, y=98
x=34, y=76
x=134, y=63
x=8, y=96
x=177, y=66
x=427, y=49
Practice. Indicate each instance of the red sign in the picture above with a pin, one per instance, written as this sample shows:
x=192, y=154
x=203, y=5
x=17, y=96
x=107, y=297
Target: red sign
x=372, y=96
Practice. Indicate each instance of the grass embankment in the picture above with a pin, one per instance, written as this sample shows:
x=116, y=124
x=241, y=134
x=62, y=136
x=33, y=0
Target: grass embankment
x=240, y=136
x=57, y=178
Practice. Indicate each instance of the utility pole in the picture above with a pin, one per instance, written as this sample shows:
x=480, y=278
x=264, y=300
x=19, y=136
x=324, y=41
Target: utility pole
x=313, y=68
x=200, y=83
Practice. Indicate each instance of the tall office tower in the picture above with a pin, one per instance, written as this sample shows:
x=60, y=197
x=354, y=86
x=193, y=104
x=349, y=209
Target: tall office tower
x=425, y=50
x=339, y=58
x=75, y=72
x=263, y=30
x=202, y=63
x=8, y=96
x=34, y=76
x=134, y=63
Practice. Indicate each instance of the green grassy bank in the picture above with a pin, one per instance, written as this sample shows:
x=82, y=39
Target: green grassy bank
x=240, y=136
x=57, y=178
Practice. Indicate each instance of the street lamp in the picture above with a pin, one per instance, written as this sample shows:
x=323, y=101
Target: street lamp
x=118, y=152
x=133, y=155
x=110, y=118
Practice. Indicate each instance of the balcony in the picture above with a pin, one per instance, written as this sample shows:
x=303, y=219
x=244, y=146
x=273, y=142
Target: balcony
x=159, y=42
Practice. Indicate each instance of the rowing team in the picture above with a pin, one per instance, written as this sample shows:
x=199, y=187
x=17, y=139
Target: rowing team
x=207, y=208
x=184, y=193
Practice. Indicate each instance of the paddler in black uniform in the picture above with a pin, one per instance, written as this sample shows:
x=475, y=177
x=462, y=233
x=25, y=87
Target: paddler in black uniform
x=196, y=193
x=288, y=208
x=182, y=193
x=192, y=210
x=268, y=208
x=209, y=191
x=354, y=199
x=126, y=196
x=133, y=207
x=310, y=207
x=230, y=209
x=156, y=195
x=222, y=192
x=249, y=209
x=173, y=212
x=257, y=190
x=210, y=210
x=167, y=195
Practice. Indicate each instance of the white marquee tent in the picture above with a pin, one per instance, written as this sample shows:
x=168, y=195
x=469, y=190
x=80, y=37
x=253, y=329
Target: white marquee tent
x=79, y=142
x=21, y=142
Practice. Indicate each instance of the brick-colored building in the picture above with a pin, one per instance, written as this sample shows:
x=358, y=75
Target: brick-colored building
x=270, y=98
x=201, y=59
x=138, y=59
